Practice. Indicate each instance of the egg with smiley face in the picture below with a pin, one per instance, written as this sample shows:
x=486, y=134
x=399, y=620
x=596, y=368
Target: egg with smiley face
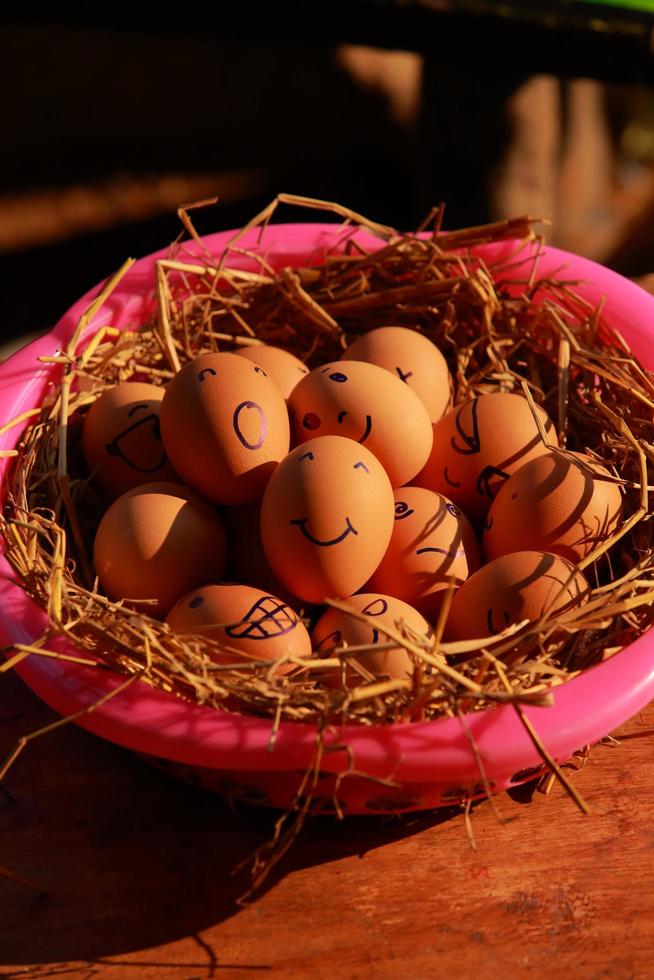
x=225, y=427
x=368, y=404
x=326, y=518
x=121, y=438
x=432, y=544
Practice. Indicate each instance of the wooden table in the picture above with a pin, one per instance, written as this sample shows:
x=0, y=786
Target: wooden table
x=136, y=872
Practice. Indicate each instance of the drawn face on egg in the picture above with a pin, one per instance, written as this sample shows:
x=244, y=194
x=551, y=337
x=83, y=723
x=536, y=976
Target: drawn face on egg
x=326, y=518
x=121, y=438
x=369, y=405
x=225, y=425
x=432, y=544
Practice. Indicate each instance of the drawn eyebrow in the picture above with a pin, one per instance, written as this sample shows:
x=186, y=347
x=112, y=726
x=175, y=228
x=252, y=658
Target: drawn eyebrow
x=341, y=416
x=260, y=370
x=136, y=408
x=362, y=465
x=206, y=371
x=308, y=455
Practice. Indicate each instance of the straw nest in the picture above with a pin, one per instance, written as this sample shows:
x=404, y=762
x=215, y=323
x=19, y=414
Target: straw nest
x=498, y=325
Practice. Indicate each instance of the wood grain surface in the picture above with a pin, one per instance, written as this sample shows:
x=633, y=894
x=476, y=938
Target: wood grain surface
x=136, y=873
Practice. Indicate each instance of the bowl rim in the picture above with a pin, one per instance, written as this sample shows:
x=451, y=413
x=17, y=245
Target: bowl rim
x=153, y=722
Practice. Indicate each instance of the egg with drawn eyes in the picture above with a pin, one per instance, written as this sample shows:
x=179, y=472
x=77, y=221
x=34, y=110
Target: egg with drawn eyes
x=326, y=518
x=253, y=624
x=432, y=544
x=521, y=586
x=225, y=427
x=479, y=445
x=282, y=367
x=411, y=357
x=121, y=438
x=336, y=628
x=560, y=502
x=365, y=403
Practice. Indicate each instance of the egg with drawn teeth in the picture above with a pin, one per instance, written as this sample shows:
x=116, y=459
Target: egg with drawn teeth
x=368, y=404
x=326, y=518
x=225, y=427
x=432, y=544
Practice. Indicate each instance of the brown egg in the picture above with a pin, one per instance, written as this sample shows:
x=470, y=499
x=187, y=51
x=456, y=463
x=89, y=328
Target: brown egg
x=246, y=559
x=336, y=628
x=252, y=623
x=326, y=518
x=367, y=404
x=411, y=357
x=510, y=589
x=478, y=445
x=432, y=543
x=282, y=367
x=121, y=441
x=225, y=427
x=157, y=542
x=557, y=502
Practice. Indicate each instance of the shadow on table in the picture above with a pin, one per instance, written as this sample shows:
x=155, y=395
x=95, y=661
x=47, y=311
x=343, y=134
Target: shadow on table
x=126, y=857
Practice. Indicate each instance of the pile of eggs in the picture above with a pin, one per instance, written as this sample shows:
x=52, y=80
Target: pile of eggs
x=250, y=488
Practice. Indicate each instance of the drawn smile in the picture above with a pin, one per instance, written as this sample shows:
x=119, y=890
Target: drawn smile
x=302, y=524
x=367, y=431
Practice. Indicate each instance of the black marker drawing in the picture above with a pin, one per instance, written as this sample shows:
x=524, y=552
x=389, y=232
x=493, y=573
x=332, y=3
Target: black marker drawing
x=136, y=408
x=402, y=510
x=377, y=607
x=368, y=430
x=336, y=639
x=195, y=602
x=490, y=624
x=114, y=448
x=267, y=617
x=454, y=511
x=361, y=466
x=402, y=375
x=311, y=421
x=206, y=371
x=338, y=376
x=449, y=552
x=260, y=370
x=448, y=479
x=262, y=424
x=472, y=441
x=484, y=478
x=341, y=416
x=307, y=455
x=302, y=524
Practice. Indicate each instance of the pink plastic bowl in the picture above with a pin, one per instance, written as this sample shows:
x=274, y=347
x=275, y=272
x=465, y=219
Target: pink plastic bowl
x=430, y=763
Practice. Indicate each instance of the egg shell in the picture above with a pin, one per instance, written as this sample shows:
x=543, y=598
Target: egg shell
x=326, y=518
x=337, y=628
x=367, y=404
x=510, y=589
x=225, y=427
x=432, y=544
x=282, y=367
x=121, y=438
x=157, y=542
x=411, y=357
x=478, y=445
x=251, y=622
x=246, y=559
x=557, y=502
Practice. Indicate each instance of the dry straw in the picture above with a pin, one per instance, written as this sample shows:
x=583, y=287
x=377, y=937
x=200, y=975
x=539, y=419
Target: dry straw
x=499, y=325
